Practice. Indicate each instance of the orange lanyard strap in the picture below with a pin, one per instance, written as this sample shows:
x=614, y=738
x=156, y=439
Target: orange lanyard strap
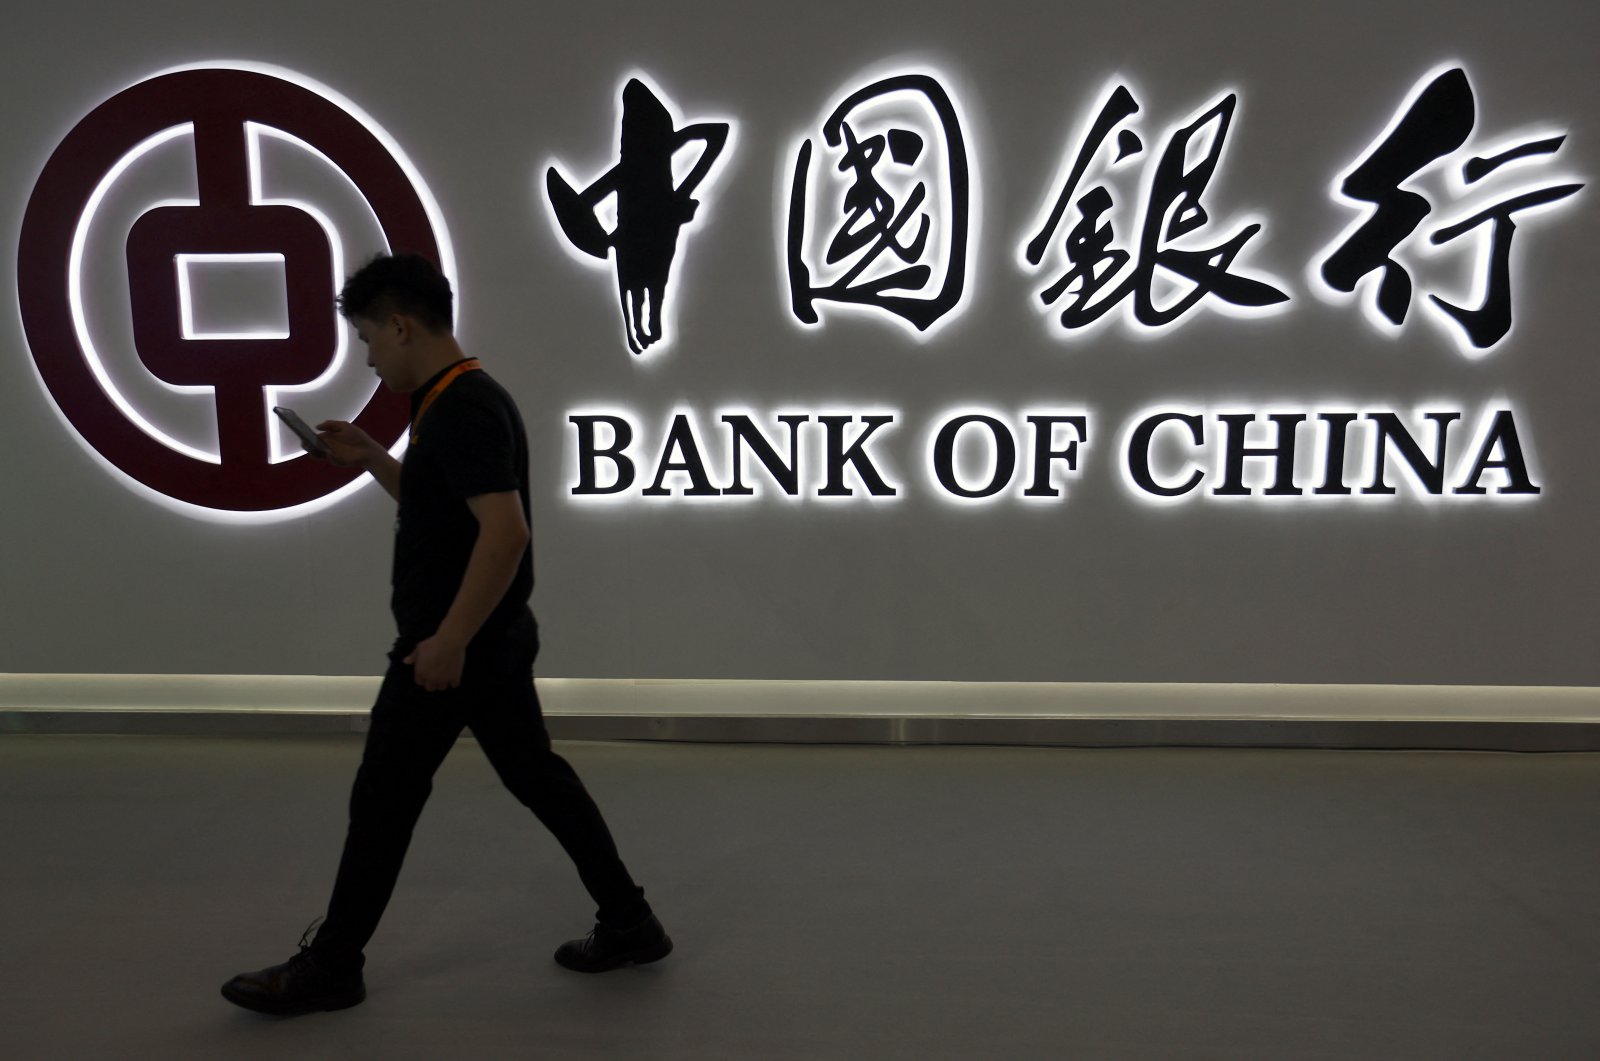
x=469, y=365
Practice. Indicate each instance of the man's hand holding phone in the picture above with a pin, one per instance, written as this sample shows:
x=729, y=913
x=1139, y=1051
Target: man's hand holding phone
x=344, y=444
x=348, y=446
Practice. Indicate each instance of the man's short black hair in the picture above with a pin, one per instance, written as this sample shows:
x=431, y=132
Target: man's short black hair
x=403, y=283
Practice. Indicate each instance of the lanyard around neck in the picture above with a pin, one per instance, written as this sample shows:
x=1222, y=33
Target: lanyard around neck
x=455, y=372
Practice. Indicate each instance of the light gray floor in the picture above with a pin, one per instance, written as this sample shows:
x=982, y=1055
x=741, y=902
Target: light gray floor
x=862, y=903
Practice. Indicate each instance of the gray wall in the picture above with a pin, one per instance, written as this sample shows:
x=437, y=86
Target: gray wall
x=1098, y=587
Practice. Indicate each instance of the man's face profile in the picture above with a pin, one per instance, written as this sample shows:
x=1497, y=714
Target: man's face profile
x=386, y=350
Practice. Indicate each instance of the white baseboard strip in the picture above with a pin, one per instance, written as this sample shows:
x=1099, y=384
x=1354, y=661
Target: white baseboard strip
x=1524, y=718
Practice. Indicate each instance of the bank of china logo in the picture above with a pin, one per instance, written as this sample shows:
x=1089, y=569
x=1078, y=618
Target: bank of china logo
x=177, y=270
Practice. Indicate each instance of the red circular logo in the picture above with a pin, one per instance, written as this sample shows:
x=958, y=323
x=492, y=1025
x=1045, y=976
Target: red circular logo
x=218, y=104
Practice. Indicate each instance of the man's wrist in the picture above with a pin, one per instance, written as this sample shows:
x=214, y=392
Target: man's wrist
x=376, y=458
x=447, y=637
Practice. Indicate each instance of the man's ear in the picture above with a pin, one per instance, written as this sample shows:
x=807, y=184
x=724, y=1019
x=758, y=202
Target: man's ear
x=403, y=327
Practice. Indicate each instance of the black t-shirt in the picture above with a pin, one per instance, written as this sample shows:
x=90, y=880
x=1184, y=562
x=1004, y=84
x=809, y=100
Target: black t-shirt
x=470, y=442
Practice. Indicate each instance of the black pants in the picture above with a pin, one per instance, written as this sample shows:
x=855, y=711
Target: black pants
x=412, y=731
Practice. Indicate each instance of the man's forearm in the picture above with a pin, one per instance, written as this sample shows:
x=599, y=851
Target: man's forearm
x=386, y=470
x=490, y=570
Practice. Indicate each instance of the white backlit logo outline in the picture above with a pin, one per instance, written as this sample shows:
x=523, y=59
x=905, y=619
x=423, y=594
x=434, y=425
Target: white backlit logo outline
x=80, y=237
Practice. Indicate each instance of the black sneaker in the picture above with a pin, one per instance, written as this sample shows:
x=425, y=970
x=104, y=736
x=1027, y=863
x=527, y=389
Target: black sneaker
x=299, y=985
x=606, y=948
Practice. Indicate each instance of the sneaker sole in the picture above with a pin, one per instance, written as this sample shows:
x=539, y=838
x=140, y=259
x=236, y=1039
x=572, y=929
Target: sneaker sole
x=642, y=956
x=343, y=1000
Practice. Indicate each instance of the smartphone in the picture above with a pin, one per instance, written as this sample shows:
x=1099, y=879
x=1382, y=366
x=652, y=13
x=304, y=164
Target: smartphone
x=301, y=428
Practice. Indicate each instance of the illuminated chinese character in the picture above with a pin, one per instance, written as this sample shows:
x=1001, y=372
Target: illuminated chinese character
x=1100, y=268
x=880, y=220
x=651, y=206
x=1430, y=130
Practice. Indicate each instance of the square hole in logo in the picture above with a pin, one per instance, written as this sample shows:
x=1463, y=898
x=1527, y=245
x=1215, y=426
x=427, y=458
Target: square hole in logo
x=233, y=296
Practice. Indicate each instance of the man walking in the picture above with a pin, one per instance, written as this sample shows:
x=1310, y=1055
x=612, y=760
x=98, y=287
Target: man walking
x=463, y=572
